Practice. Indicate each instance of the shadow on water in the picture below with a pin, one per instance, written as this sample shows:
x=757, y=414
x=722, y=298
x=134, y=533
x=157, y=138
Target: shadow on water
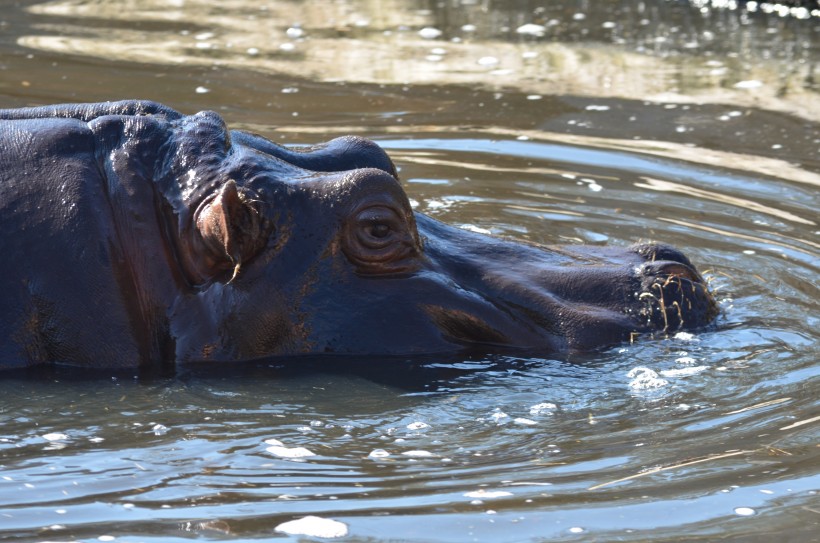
x=405, y=375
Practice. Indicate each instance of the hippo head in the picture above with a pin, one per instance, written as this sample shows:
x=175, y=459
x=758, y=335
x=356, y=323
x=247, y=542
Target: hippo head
x=317, y=250
x=179, y=240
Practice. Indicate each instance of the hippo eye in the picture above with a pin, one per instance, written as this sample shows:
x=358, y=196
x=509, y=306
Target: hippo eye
x=380, y=230
x=380, y=240
x=376, y=224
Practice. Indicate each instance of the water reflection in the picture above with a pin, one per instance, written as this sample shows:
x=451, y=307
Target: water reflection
x=668, y=186
x=661, y=51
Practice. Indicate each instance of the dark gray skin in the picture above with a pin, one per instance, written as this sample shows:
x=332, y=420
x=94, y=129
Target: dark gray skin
x=135, y=236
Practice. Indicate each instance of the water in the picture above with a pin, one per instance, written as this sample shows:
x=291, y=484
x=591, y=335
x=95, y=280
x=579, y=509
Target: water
x=694, y=437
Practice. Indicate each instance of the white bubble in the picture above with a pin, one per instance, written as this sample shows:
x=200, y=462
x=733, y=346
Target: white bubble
x=475, y=228
x=160, y=429
x=418, y=425
x=55, y=436
x=543, y=408
x=750, y=84
x=684, y=372
x=378, y=453
x=294, y=32
x=290, y=452
x=430, y=33
x=487, y=61
x=418, y=454
x=202, y=90
x=532, y=30
x=487, y=494
x=313, y=527
x=744, y=511
x=499, y=416
x=576, y=530
x=645, y=378
x=524, y=422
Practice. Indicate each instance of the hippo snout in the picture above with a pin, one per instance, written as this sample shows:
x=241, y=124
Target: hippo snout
x=673, y=293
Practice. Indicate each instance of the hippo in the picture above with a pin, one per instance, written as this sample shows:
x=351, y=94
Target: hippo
x=136, y=236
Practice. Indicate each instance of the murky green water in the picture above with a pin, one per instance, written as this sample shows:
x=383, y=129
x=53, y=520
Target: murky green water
x=621, y=123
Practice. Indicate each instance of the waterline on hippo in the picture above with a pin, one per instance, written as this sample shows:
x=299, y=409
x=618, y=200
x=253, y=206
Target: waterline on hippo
x=135, y=236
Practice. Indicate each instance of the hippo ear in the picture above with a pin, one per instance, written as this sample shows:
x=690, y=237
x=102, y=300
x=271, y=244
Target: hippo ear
x=230, y=228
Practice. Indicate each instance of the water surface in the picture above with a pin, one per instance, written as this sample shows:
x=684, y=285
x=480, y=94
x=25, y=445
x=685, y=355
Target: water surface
x=696, y=128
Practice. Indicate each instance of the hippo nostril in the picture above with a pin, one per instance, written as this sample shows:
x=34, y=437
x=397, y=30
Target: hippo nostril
x=653, y=252
x=669, y=269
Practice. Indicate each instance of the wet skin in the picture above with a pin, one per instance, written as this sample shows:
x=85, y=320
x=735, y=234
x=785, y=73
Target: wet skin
x=134, y=235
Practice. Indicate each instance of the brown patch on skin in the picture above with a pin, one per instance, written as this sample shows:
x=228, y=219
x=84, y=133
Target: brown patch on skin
x=464, y=327
x=208, y=350
x=30, y=337
x=277, y=238
x=266, y=336
x=299, y=326
x=32, y=334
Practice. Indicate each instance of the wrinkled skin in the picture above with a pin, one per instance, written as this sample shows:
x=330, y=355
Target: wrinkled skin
x=133, y=235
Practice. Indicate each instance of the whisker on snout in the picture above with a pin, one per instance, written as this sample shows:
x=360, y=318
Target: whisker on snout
x=675, y=296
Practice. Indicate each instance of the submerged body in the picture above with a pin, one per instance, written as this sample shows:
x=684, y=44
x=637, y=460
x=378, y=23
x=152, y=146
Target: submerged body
x=133, y=235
